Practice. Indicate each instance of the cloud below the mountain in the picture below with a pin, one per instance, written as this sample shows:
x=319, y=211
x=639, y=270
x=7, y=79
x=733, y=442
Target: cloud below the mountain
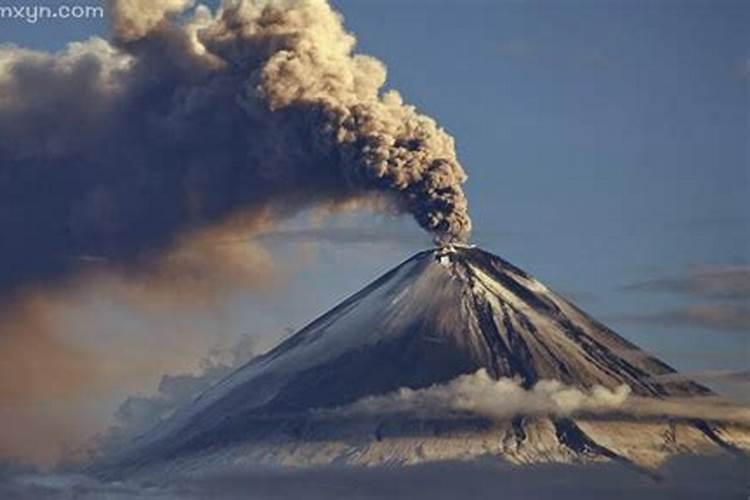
x=686, y=478
x=480, y=394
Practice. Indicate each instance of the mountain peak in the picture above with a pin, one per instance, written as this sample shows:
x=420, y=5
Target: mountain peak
x=442, y=314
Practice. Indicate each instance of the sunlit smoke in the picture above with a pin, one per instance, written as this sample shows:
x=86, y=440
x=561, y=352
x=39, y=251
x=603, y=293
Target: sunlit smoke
x=126, y=163
x=116, y=149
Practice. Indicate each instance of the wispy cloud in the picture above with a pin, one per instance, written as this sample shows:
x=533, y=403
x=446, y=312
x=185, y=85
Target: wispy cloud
x=733, y=318
x=725, y=291
x=730, y=376
x=735, y=384
x=726, y=282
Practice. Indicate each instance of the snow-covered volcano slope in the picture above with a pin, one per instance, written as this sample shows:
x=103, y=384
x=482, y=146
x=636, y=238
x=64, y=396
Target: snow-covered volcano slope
x=442, y=314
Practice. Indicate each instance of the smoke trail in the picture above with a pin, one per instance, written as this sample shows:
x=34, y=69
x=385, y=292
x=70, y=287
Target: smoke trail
x=118, y=149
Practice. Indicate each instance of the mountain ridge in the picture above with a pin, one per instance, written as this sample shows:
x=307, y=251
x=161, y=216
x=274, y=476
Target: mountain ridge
x=439, y=315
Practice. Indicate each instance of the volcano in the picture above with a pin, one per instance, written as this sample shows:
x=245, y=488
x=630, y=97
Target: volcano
x=438, y=316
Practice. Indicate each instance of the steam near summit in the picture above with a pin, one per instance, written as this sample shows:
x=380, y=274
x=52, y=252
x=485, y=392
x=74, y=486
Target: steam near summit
x=189, y=118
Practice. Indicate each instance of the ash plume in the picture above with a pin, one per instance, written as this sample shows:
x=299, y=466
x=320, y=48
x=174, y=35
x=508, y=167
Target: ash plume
x=126, y=164
x=187, y=118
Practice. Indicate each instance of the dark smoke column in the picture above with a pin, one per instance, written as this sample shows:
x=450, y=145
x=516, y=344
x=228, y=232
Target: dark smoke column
x=186, y=120
x=381, y=143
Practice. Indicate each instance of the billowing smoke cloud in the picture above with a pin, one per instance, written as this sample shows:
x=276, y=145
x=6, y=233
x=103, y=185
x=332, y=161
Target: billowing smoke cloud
x=116, y=150
x=134, y=19
x=131, y=167
x=481, y=394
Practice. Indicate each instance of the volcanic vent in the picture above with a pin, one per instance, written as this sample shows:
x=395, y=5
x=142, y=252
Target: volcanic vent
x=440, y=315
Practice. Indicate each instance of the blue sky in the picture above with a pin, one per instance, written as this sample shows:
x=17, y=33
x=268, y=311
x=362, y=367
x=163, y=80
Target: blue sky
x=606, y=144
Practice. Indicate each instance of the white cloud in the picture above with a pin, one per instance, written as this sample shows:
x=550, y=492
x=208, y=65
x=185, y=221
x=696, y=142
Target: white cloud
x=481, y=394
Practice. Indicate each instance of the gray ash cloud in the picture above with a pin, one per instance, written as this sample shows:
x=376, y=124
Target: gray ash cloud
x=189, y=118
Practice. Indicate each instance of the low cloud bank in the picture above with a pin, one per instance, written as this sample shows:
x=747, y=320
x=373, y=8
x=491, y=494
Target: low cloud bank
x=480, y=394
x=685, y=478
